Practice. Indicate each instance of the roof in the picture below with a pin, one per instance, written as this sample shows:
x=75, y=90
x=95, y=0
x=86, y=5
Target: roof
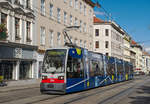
x=92, y=4
x=133, y=42
x=97, y=20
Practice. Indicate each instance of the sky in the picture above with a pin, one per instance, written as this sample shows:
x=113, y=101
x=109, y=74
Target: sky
x=132, y=15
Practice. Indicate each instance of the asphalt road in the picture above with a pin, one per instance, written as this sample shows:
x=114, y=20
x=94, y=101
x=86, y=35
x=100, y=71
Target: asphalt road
x=135, y=91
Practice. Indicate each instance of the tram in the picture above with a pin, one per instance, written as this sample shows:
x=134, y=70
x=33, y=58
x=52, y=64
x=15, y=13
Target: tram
x=69, y=69
x=72, y=68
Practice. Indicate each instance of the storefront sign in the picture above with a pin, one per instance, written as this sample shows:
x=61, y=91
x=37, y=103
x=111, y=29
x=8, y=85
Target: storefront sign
x=18, y=52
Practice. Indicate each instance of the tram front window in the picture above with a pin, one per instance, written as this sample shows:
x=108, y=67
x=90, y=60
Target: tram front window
x=54, y=61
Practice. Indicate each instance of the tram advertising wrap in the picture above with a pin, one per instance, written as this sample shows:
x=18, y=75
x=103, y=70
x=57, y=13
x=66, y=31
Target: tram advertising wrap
x=67, y=70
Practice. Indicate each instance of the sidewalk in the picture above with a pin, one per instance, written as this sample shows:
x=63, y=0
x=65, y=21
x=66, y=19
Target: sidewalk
x=21, y=84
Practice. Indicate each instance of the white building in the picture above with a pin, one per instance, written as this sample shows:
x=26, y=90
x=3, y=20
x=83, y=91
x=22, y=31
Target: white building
x=138, y=56
x=17, y=45
x=108, y=38
x=146, y=63
x=127, y=50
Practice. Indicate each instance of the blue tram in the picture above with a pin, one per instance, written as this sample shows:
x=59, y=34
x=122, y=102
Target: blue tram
x=67, y=70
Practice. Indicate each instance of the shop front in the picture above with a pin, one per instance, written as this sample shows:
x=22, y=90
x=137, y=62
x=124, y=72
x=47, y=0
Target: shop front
x=17, y=61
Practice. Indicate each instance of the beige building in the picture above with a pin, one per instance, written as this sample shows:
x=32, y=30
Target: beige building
x=55, y=15
x=108, y=38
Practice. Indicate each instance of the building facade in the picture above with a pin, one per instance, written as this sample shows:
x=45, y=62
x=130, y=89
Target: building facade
x=17, y=41
x=146, y=62
x=108, y=38
x=55, y=15
x=138, y=56
x=126, y=51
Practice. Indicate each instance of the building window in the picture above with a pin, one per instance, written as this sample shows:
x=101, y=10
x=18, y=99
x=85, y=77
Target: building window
x=65, y=1
x=42, y=34
x=71, y=20
x=80, y=26
x=58, y=38
x=58, y=15
x=76, y=41
x=76, y=4
x=65, y=40
x=80, y=43
x=75, y=23
x=106, y=44
x=84, y=44
x=17, y=28
x=80, y=7
x=84, y=29
x=51, y=38
x=4, y=19
x=65, y=18
x=51, y=10
x=96, y=32
x=106, y=32
x=28, y=2
x=91, y=46
x=97, y=44
x=84, y=10
x=107, y=54
x=43, y=7
x=70, y=3
x=28, y=31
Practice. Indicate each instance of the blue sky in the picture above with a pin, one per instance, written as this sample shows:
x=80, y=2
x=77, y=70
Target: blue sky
x=132, y=15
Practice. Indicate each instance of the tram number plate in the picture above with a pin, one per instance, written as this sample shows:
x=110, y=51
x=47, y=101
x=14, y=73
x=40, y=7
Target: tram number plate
x=50, y=86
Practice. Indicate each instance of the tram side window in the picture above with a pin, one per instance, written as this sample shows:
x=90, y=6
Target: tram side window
x=111, y=68
x=75, y=67
x=96, y=68
x=101, y=67
x=120, y=68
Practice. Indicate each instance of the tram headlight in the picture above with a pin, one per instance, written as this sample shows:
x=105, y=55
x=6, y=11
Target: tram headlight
x=44, y=77
x=61, y=77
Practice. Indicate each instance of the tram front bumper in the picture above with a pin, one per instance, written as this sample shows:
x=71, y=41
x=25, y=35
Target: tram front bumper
x=53, y=88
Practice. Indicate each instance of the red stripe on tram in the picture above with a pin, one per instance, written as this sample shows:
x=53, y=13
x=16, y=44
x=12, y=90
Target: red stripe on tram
x=52, y=80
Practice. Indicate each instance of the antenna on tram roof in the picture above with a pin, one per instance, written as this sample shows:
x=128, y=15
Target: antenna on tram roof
x=70, y=44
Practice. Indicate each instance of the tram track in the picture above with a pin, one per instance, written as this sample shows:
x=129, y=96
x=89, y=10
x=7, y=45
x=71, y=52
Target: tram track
x=121, y=94
x=83, y=96
x=79, y=95
x=88, y=93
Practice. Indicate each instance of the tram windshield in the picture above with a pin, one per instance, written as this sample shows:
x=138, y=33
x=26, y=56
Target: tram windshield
x=54, y=61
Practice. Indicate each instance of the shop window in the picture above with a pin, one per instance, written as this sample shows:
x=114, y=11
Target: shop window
x=24, y=72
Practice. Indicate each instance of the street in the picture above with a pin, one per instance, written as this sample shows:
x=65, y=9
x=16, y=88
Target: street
x=130, y=92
